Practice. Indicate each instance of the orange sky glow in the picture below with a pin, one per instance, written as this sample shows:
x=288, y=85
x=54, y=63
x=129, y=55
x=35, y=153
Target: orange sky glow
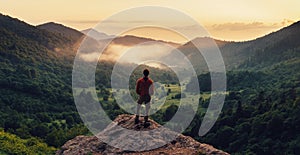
x=231, y=20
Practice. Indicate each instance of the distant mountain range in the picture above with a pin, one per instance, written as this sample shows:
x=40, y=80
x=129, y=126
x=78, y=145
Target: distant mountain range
x=127, y=40
x=235, y=54
x=56, y=41
x=98, y=40
x=264, y=51
x=96, y=35
x=59, y=40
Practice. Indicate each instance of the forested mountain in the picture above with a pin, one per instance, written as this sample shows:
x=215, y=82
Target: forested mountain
x=96, y=35
x=128, y=40
x=260, y=114
x=261, y=52
x=275, y=48
x=62, y=31
x=35, y=86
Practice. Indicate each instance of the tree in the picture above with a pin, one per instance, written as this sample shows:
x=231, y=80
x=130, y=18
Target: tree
x=40, y=130
x=170, y=111
x=105, y=98
x=70, y=120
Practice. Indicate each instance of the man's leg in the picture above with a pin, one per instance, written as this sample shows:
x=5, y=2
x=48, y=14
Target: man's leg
x=147, y=108
x=138, y=108
x=147, y=111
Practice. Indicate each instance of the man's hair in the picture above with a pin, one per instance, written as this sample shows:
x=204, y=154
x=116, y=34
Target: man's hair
x=146, y=72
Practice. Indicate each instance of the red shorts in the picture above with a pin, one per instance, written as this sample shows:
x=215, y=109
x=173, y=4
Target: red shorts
x=144, y=99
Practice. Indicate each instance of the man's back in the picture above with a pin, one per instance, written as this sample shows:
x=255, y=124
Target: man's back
x=144, y=86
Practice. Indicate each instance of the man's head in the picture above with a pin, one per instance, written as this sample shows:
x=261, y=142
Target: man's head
x=146, y=72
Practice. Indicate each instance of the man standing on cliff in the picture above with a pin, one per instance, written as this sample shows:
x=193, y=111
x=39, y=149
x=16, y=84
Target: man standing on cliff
x=144, y=88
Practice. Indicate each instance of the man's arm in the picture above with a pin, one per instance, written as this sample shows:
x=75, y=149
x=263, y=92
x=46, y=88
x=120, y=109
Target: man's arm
x=151, y=89
x=137, y=88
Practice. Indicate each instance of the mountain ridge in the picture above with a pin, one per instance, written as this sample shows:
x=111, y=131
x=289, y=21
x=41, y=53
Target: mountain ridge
x=236, y=54
x=96, y=34
x=245, y=54
x=60, y=28
x=17, y=28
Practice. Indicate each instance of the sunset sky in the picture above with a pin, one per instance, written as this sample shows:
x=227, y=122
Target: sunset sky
x=226, y=20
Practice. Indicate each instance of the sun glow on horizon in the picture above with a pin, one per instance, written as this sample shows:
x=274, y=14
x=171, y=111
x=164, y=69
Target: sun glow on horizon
x=231, y=20
x=157, y=33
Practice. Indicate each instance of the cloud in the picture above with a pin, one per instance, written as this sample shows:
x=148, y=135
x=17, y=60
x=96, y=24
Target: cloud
x=241, y=26
x=286, y=22
x=90, y=57
x=129, y=54
x=81, y=21
x=243, y=31
x=137, y=53
x=111, y=53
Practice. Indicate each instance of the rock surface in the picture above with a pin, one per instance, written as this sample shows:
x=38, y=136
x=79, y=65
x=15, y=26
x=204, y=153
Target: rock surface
x=138, y=139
